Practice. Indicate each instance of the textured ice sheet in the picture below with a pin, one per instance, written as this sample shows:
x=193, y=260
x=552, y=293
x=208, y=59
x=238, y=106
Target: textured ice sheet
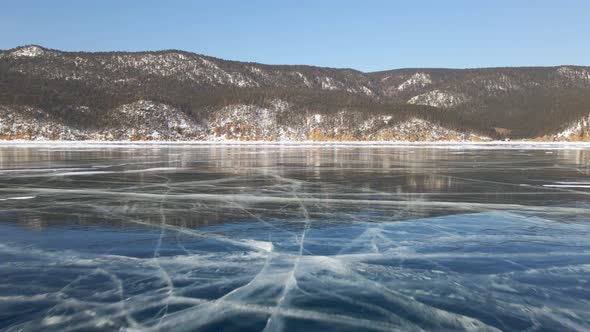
x=211, y=238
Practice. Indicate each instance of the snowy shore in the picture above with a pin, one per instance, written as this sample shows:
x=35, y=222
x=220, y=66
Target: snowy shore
x=380, y=144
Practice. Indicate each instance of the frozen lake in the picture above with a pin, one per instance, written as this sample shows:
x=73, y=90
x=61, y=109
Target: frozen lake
x=332, y=238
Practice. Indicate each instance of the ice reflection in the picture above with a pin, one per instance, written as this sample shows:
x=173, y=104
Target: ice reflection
x=287, y=238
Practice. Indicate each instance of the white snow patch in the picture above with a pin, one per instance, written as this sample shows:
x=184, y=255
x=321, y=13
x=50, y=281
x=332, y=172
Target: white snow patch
x=578, y=74
x=328, y=84
x=437, y=98
x=503, y=83
x=418, y=79
x=367, y=91
x=305, y=79
x=28, y=51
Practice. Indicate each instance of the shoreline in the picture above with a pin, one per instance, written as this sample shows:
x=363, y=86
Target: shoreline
x=378, y=144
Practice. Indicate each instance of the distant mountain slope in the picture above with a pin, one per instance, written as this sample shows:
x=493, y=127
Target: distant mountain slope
x=122, y=95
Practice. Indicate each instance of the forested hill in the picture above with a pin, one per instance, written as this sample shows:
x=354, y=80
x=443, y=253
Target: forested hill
x=170, y=95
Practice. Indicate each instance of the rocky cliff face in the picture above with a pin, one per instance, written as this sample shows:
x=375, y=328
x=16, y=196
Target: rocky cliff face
x=176, y=95
x=578, y=131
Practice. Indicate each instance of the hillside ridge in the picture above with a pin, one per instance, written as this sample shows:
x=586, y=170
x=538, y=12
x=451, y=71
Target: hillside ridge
x=83, y=91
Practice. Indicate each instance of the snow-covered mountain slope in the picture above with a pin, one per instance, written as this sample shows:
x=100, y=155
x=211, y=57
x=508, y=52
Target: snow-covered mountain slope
x=142, y=120
x=148, y=120
x=27, y=123
x=176, y=95
x=133, y=67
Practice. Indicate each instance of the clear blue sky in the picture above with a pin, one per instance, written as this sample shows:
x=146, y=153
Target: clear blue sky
x=368, y=35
